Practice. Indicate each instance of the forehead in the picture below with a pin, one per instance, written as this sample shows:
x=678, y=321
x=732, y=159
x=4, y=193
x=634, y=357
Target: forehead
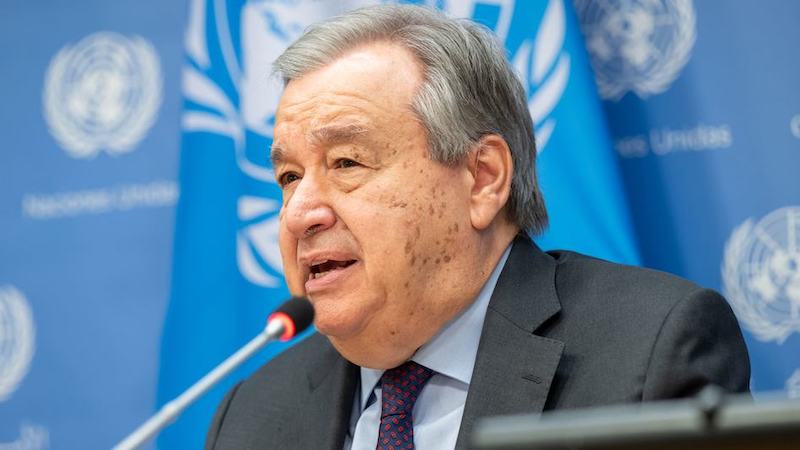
x=365, y=86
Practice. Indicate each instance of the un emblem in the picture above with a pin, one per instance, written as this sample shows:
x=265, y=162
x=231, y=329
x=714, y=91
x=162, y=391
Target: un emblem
x=244, y=111
x=543, y=67
x=102, y=94
x=638, y=45
x=17, y=335
x=761, y=274
x=257, y=240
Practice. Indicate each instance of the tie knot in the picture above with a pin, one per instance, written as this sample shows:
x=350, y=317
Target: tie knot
x=401, y=386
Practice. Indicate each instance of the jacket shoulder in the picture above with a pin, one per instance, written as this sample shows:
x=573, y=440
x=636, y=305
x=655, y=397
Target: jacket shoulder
x=646, y=334
x=576, y=273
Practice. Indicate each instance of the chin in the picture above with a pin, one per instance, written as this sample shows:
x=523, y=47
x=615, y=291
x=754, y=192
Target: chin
x=367, y=353
x=343, y=316
x=336, y=325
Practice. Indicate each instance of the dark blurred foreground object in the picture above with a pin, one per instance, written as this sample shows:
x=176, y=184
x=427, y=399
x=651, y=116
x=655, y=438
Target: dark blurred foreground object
x=710, y=421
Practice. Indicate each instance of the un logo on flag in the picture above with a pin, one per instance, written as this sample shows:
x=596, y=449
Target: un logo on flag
x=244, y=109
x=103, y=93
x=761, y=274
x=638, y=45
x=17, y=335
x=543, y=67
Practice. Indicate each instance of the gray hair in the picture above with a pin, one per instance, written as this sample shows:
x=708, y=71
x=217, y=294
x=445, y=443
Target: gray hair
x=469, y=89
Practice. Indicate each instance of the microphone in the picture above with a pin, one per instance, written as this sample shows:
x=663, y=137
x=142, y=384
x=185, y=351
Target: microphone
x=291, y=318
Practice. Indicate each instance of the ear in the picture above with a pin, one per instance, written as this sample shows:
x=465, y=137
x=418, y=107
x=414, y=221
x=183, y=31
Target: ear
x=491, y=167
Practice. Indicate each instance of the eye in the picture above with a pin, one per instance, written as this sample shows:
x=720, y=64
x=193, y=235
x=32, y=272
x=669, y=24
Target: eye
x=288, y=178
x=345, y=163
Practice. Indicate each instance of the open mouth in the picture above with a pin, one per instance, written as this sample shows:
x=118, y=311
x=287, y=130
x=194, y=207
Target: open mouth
x=325, y=267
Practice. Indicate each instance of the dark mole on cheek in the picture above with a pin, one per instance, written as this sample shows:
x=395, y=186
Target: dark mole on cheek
x=408, y=247
x=392, y=332
x=447, y=258
x=413, y=261
x=437, y=261
x=425, y=261
x=431, y=211
x=417, y=233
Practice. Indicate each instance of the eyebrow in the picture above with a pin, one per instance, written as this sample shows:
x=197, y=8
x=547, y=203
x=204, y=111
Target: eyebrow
x=334, y=134
x=329, y=134
x=276, y=154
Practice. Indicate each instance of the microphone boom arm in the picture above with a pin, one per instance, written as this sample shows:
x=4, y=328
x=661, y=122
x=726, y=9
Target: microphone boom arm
x=171, y=410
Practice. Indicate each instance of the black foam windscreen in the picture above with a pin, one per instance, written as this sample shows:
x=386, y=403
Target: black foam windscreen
x=300, y=310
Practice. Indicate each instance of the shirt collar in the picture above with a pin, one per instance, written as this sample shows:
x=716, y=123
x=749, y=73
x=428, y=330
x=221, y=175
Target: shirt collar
x=452, y=351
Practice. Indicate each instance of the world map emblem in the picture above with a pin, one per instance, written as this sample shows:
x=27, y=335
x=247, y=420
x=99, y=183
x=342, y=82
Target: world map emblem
x=17, y=335
x=761, y=274
x=637, y=46
x=102, y=94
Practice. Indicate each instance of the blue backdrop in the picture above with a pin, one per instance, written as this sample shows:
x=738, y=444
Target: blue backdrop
x=668, y=130
x=88, y=169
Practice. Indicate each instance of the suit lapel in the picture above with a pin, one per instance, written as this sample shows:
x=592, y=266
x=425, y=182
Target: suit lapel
x=514, y=368
x=332, y=382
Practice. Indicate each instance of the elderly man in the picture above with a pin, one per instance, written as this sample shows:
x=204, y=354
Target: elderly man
x=404, y=149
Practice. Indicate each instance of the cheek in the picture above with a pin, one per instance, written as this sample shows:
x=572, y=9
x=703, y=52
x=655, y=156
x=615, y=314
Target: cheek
x=408, y=229
x=439, y=218
x=386, y=227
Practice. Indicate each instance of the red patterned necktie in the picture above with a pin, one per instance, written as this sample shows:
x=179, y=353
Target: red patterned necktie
x=400, y=388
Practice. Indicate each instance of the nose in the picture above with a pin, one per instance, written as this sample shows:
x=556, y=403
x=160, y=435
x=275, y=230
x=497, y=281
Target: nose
x=308, y=211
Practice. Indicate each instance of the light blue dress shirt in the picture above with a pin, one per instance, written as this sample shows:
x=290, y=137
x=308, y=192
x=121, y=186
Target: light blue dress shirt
x=437, y=413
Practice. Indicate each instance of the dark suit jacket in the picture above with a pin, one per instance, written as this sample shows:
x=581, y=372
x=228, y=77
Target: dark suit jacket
x=562, y=331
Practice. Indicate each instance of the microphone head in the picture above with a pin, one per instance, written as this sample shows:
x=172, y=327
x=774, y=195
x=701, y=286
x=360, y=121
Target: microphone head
x=296, y=314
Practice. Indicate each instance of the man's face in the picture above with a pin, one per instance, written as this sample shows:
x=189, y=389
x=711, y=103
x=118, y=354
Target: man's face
x=371, y=228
